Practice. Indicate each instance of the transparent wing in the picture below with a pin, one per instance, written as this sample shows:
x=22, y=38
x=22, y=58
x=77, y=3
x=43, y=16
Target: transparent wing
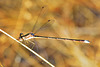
x=46, y=25
x=42, y=19
x=37, y=19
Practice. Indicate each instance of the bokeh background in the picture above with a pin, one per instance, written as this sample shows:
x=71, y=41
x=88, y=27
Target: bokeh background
x=78, y=19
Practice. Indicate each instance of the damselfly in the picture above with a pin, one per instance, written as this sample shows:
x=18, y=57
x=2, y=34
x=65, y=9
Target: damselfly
x=33, y=35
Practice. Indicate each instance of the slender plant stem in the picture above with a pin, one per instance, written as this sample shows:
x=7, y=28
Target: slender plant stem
x=28, y=48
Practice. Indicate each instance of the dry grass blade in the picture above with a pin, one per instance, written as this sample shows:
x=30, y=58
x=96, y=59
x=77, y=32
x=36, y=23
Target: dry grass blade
x=28, y=48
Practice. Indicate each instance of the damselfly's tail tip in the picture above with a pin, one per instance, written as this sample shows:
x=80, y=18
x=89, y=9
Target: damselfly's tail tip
x=86, y=41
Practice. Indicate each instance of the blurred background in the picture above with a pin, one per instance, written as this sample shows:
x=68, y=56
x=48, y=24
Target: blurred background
x=79, y=19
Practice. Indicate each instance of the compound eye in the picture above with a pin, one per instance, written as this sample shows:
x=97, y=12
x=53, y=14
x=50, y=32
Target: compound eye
x=21, y=34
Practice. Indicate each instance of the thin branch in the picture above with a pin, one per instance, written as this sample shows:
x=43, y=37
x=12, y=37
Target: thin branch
x=28, y=48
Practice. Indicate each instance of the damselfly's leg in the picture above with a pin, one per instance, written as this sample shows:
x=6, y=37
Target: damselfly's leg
x=32, y=44
x=41, y=49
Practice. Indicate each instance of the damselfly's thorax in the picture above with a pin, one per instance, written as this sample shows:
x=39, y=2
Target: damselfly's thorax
x=26, y=36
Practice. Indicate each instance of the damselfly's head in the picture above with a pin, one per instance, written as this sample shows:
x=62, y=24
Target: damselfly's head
x=20, y=37
x=21, y=34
